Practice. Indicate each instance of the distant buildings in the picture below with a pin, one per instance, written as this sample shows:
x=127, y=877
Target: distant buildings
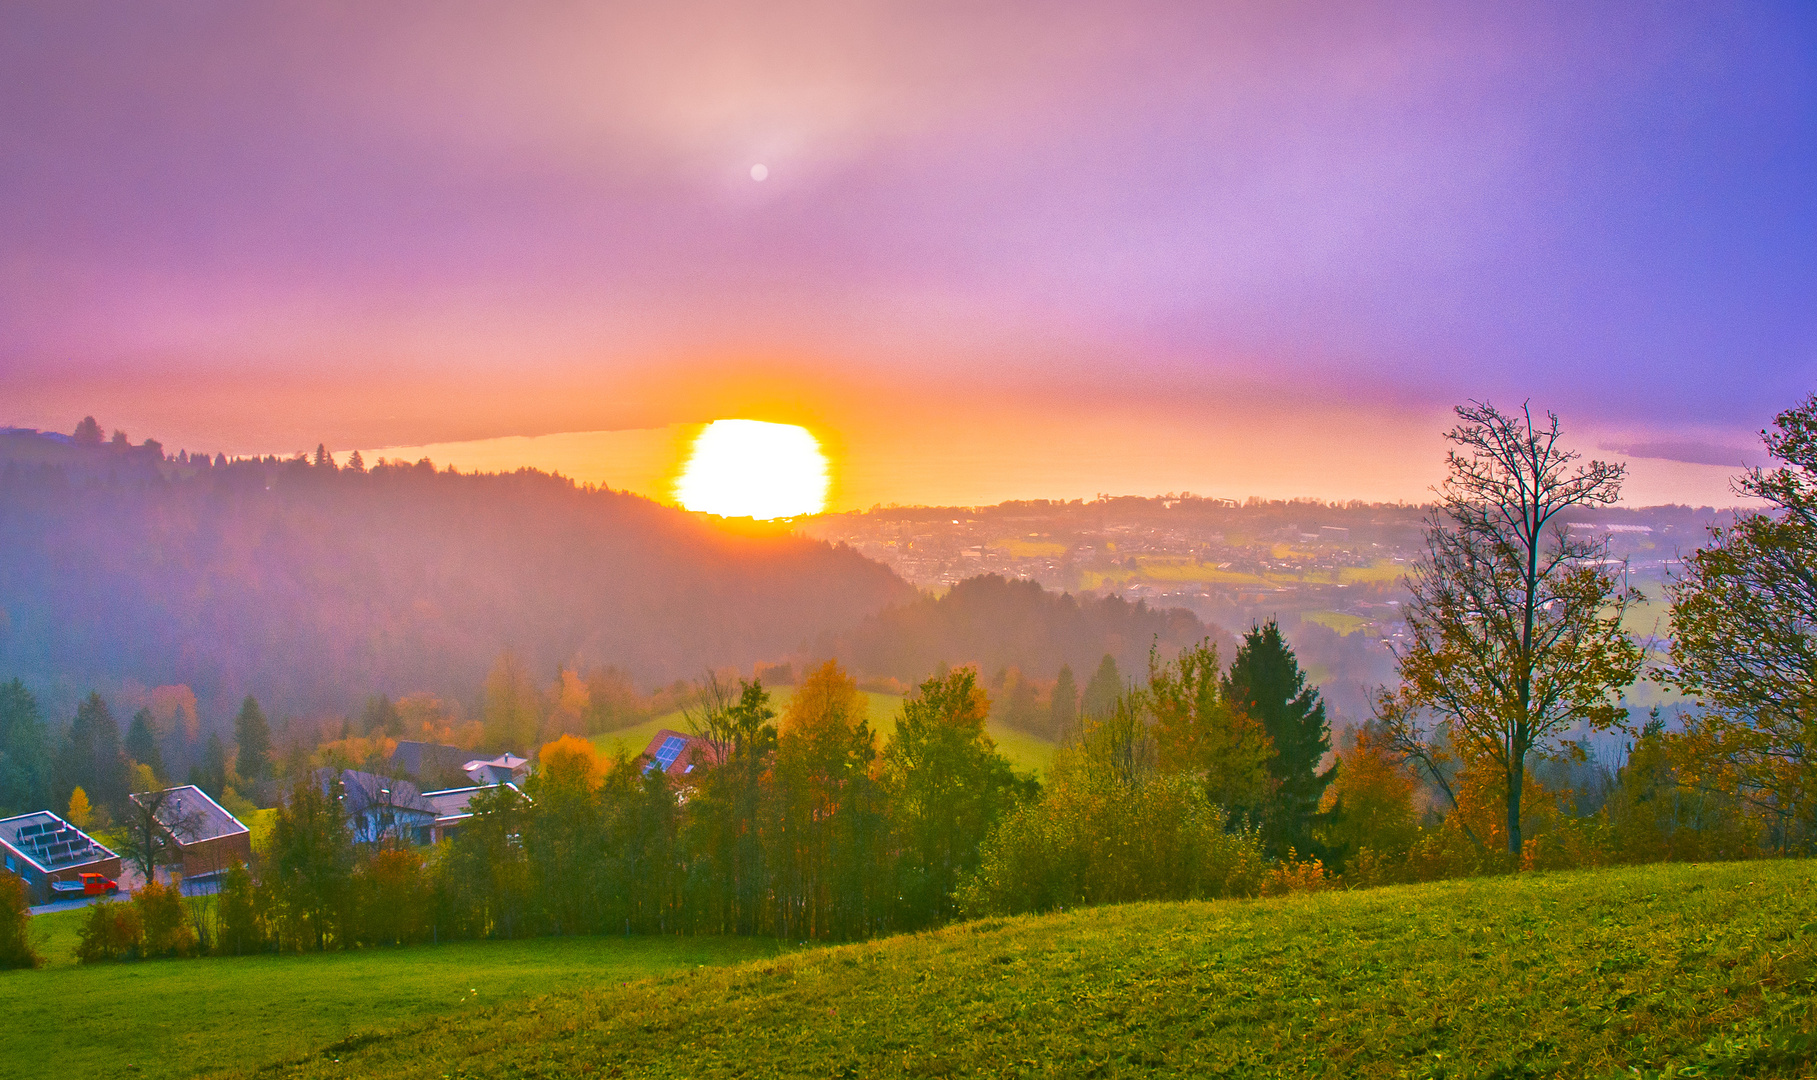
x=41, y=848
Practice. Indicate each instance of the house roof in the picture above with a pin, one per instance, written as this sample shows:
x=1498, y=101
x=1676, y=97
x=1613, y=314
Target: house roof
x=451, y=804
x=424, y=759
x=677, y=754
x=362, y=791
x=50, y=843
x=192, y=817
x=503, y=761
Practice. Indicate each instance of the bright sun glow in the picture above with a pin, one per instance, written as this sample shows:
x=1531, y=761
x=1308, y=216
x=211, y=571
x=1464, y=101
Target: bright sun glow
x=747, y=468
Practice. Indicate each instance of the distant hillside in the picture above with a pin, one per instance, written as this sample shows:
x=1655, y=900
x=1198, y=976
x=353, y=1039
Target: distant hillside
x=313, y=586
x=999, y=623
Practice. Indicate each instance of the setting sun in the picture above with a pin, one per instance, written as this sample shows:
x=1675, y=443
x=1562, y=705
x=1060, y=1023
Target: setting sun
x=749, y=468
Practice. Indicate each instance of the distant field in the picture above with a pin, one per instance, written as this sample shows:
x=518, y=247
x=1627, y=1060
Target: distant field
x=1186, y=571
x=1709, y=970
x=1336, y=620
x=180, y=1018
x=1024, y=751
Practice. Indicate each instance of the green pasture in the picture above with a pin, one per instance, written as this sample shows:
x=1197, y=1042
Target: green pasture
x=180, y=1018
x=1706, y=970
x=1024, y=751
x=1185, y=571
x=1336, y=620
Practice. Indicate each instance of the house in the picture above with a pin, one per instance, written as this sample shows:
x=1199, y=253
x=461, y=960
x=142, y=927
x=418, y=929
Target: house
x=507, y=768
x=210, y=839
x=678, y=755
x=452, y=808
x=42, y=848
x=380, y=808
x=430, y=764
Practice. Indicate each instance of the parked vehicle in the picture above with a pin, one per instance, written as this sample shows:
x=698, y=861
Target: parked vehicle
x=86, y=885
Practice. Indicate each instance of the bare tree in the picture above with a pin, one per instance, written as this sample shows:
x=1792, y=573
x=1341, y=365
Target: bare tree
x=1515, y=623
x=156, y=829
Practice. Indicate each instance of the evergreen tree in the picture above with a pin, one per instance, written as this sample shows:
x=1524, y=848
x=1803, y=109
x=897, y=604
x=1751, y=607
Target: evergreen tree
x=356, y=463
x=1266, y=682
x=25, y=775
x=380, y=717
x=322, y=458
x=211, y=775
x=88, y=432
x=252, y=733
x=1063, y=710
x=142, y=743
x=1102, y=692
x=92, y=757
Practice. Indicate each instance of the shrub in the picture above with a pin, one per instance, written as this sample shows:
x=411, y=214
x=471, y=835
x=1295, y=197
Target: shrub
x=15, y=916
x=245, y=914
x=164, y=925
x=110, y=932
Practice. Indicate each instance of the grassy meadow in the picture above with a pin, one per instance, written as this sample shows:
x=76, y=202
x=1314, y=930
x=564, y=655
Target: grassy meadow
x=180, y=1018
x=1023, y=750
x=1707, y=969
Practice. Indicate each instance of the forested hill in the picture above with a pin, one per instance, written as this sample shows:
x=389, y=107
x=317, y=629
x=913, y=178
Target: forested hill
x=313, y=586
x=998, y=623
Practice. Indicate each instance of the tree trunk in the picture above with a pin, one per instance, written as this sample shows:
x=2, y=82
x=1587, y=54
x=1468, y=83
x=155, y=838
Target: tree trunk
x=1517, y=779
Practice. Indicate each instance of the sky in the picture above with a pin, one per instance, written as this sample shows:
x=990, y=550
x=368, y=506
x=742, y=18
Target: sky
x=999, y=250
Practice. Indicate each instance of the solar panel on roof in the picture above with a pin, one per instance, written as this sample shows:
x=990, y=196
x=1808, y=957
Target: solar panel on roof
x=670, y=750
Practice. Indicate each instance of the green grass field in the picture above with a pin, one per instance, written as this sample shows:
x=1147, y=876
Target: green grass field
x=179, y=1018
x=1023, y=750
x=1708, y=969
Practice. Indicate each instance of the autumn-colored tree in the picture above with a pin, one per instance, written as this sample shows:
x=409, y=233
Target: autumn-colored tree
x=948, y=788
x=1744, y=638
x=1369, y=804
x=828, y=832
x=163, y=923
x=81, y=815
x=510, y=711
x=15, y=918
x=1514, y=628
x=394, y=897
x=1198, y=732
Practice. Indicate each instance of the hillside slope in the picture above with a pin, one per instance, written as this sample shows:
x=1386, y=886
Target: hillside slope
x=1576, y=974
x=314, y=587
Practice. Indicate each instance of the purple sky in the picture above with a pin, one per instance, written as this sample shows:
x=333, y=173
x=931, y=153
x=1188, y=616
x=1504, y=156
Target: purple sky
x=257, y=226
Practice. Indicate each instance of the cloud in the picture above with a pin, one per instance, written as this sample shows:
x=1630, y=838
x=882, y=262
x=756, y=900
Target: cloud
x=1689, y=451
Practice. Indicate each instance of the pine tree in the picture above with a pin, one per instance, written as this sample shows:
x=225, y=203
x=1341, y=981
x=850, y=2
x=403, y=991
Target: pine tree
x=356, y=463
x=323, y=460
x=142, y=743
x=25, y=777
x=252, y=733
x=211, y=775
x=92, y=757
x=1266, y=682
x=88, y=433
x=1102, y=692
x=1063, y=710
x=380, y=717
